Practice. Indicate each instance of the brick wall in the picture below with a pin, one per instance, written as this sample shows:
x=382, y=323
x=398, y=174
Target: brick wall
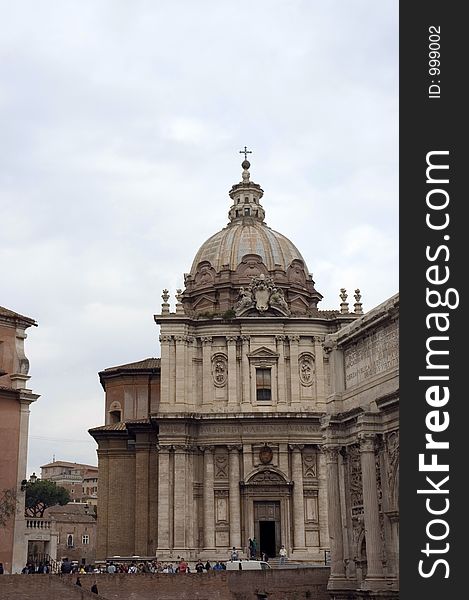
x=281, y=584
x=43, y=587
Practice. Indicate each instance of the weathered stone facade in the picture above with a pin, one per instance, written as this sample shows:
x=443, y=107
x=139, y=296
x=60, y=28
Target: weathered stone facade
x=233, y=433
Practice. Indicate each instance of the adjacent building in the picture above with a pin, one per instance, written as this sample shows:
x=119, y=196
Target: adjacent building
x=80, y=480
x=15, y=400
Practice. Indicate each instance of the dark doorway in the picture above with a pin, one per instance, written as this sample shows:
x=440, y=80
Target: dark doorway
x=267, y=538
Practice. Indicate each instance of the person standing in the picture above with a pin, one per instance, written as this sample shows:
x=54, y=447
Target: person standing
x=234, y=554
x=94, y=588
x=254, y=547
x=283, y=555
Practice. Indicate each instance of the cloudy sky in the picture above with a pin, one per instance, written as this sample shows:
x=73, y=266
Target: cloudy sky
x=120, y=126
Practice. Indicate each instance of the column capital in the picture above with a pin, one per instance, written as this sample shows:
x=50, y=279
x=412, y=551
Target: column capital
x=367, y=441
x=180, y=338
x=180, y=448
x=231, y=339
x=331, y=452
x=280, y=338
x=163, y=448
x=245, y=339
x=296, y=447
x=319, y=338
x=165, y=339
x=294, y=338
x=207, y=449
x=234, y=447
x=206, y=340
x=190, y=339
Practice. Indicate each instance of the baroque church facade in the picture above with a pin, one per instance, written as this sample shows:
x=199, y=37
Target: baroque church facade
x=265, y=417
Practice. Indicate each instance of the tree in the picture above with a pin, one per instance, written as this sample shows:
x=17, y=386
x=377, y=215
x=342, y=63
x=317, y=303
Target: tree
x=8, y=503
x=43, y=493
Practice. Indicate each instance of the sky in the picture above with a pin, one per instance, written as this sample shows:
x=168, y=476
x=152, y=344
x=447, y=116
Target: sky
x=121, y=124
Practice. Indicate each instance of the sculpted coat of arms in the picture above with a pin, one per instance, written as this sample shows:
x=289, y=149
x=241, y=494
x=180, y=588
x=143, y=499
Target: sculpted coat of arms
x=261, y=295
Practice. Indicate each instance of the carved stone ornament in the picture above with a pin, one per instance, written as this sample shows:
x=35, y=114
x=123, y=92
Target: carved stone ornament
x=306, y=369
x=266, y=455
x=261, y=295
x=219, y=369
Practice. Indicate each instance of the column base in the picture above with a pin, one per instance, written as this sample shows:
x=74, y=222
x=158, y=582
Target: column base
x=376, y=583
x=339, y=582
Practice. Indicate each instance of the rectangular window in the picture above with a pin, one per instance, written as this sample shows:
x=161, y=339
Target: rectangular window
x=69, y=540
x=263, y=385
x=85, y=539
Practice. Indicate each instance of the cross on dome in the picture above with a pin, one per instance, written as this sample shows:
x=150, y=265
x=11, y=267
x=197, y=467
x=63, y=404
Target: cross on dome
x=245, y=152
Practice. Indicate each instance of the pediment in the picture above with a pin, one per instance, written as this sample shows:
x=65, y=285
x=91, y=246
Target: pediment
x=263, y=352
x=204, y=301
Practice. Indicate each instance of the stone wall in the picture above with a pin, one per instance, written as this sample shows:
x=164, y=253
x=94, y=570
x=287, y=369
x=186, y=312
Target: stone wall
x=275, y=584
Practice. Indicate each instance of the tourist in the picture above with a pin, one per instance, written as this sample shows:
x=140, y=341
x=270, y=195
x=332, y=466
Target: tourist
x=208, y=566
x=111, y=568
x=283, y=554
x=218, y=566
x=78, y=582
x=1, y=569
x=183, y=566
x=234, y=554
x=254, y=548
x=199, y=566
x=94, y=588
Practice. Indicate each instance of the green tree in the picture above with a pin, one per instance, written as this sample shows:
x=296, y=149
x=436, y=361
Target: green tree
x=43, y=493
x=8, y=503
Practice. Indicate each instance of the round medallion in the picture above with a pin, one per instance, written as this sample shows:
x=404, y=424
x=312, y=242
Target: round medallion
x=266, y=455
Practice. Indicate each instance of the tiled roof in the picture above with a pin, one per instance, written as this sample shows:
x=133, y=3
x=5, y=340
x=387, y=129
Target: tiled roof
x=121, y=426
x=146, y=363
x=64, y=463
x=6, y=312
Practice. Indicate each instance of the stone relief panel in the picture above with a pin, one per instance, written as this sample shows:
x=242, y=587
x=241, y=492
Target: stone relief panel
x=219, y=369
x=221, y=506
x=306, y=369
x=373, y=355
x=311, y=506
x=310, y=465
x=391, y=443
x=221, y=466
x=355, y=478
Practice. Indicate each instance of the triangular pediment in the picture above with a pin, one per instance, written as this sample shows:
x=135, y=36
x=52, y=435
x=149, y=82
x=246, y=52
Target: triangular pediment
x=263, y=352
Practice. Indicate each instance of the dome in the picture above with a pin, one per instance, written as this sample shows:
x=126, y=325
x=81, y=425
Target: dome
x=247, y=236
x=247, y=258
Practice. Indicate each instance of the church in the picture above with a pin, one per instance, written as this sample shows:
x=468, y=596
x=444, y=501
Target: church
x=265, y=418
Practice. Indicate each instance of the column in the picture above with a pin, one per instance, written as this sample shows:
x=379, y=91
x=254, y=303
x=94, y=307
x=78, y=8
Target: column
x=232, y=368
x=246, y=374
x=320, y=375
x=282, y=392
x=179, y=502
x=142, y=460
x=334, y=512
x=209, y=500
x=298, y=498
x=207, y=370
x=190, y=391
x=163, y=497
x=180, y=368
x=370, y=507
x=165, y=341
x=235, y=498
x=294, y=372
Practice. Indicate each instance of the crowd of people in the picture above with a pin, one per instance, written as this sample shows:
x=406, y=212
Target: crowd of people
x=154, y=566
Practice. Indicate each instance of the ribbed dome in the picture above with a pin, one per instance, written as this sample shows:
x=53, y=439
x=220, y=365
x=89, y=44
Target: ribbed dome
x=247, y=236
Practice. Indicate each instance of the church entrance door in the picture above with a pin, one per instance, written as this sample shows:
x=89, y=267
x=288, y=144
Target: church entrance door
x=267, y=527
